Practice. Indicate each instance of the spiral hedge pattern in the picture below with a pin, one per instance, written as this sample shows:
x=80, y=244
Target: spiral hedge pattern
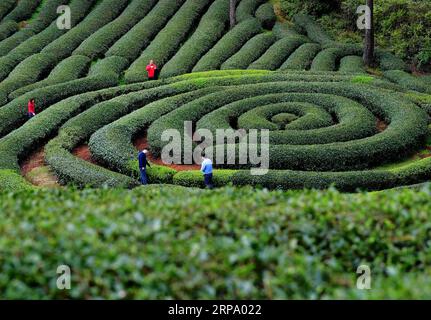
x=322, y=130
x=329, y=122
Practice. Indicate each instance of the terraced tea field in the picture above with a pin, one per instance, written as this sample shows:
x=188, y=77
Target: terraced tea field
x=331, y=122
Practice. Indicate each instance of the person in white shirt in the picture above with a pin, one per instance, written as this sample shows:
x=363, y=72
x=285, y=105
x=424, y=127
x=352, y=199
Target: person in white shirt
x=207, y=170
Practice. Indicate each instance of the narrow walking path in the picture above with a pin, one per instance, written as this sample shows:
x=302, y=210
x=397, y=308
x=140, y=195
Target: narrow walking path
x=141, y=143
x=37, y=172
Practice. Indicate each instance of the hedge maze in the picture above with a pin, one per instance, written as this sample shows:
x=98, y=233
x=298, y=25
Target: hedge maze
x=330, y=121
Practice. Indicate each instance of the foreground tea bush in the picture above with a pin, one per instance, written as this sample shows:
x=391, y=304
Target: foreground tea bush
x=172, y=242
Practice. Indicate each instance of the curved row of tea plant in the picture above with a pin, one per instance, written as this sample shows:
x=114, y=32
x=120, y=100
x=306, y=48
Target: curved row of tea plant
x=305, y=151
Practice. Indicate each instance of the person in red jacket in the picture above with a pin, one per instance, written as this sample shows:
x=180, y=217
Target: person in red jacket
x=31, y=108
x=151, y=70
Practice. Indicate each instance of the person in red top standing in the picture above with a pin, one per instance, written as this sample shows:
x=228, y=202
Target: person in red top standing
x=31, y=108
x=151, y=70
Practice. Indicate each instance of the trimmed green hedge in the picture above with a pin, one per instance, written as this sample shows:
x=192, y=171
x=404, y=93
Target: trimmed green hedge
x=328, y=59
x=23, y=10
x=325, y=148
x=407, y=81
x=246, y=9
x=69, y=69
x=72, y=170
x=43, y=21
x=79, y=129
x=302, y=57
x=7, y=29
x=12, y=56
x=20, y=142
x=195, y=179
x=313, y=30
x=388, y=61
x=315, y=125
x=266, y=15
x=112, y=145
x=228, y=45
x=14, y=113
x=168, y=40
x=131, y=45
x=251, y=51
x=111, y=66
x=210, y=29
x=407, y=123
x=27, y=72
x=352, y=64
x=11, y=181
x=5, y=7
x=102, y=14
x=100, y=41
x=275, y=56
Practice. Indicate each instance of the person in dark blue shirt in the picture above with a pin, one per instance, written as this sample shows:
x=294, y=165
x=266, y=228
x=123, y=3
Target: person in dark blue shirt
x=143, y=163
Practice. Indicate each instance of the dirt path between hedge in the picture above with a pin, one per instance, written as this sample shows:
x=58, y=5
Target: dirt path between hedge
x=83, y=152
x=35, y=170
x=381, y=125
x=141, y=143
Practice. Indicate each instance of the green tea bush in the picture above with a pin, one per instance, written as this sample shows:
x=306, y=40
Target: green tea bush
x=72, y=170
x=246, y=9
x=302, y=57
x=100, y=41
x=43, y=30
x=228, y=45
x=19, y=143
x=329, y=136
x=338, y=156
x=251, y=51
x=5, y=7
x=313, y=30
x=277, y=54
x=36, y=43
x=168, y=40
x=14, y=113
x=56, y=50
x=210, y=29
x=407, y=81
x=131, y=45
x=11, y=181
x=352, y=64
x=111, y=66
x=23, y=10
x=120, y=244
x=112, y=145
x=327, y=60
x=266, y=15
x=194, y=179
x=314, y=7
x=27, y=72
x=69, y=69
x=8, y=28
x=101, y=15
x=93, y=119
